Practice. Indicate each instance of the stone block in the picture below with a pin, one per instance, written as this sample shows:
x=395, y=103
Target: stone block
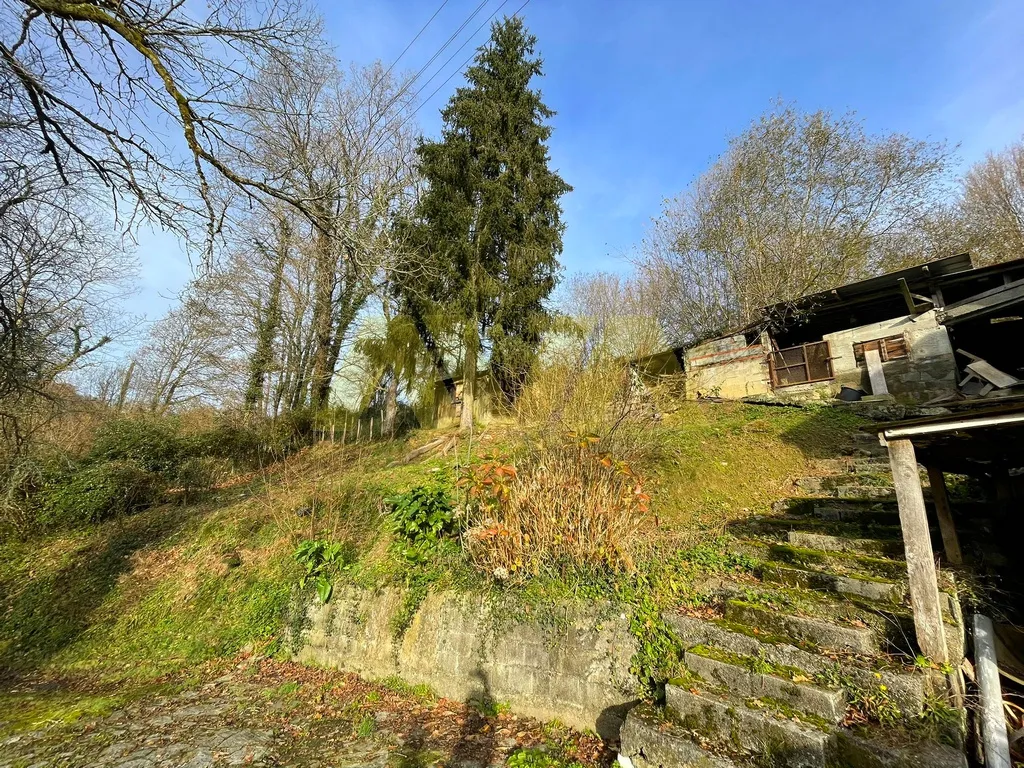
x=887, y=548
x=906, y=689
x=883, y=591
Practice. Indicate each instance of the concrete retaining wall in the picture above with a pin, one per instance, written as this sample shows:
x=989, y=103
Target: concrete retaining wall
x=578, y=674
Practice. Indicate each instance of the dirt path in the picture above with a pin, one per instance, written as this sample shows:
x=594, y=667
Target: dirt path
x=266, y=713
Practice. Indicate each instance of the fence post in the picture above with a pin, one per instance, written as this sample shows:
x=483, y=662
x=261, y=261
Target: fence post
x=371, y=427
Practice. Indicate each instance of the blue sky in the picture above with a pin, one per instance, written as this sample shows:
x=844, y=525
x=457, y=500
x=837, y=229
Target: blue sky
x=647, y=93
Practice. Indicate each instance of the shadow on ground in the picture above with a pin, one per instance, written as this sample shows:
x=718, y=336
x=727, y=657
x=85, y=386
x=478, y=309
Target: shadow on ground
x=47, y=611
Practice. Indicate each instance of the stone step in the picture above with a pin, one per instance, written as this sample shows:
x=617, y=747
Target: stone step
x=859, y=586
x=891, y=548
x=756, y=677
x=866, y=492
x=804, y=630
x=781, y=525
x=906, y=687
x=649, y=739
x=853, y=749
x=738, y=724
x=846, y=563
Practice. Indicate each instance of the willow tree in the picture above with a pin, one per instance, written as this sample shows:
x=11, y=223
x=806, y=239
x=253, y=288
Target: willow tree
x=490, y=224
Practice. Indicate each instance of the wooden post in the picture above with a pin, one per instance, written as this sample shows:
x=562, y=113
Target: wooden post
x=924, y=583
x=950, y=541
x=359, y=426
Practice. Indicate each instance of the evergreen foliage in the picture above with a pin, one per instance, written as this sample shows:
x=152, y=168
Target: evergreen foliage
x=490, y=223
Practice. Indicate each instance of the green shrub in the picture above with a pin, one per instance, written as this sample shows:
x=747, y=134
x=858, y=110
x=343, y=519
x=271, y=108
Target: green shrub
x=152, y=444
x=322, y=560
x=98, y=491
x=422, y=517
x=195, y=474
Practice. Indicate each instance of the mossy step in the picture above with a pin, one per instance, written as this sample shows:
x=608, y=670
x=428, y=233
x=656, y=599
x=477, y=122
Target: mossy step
x=868, y=480
x=892, y=624
x=853, y=530
x=847, y=563
x=907, y=688
x=861, y=511
x=819, y=633
x=650, y=739
x=864, y=492
x=751, y=724
x=891, y=548
x=757, y=677
x=861, y=751
x=808, y=578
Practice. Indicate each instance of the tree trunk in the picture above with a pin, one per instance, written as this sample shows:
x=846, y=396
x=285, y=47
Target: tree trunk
x=126, y=382
x=350, y=304
x=390, y=403
x=320, y=377
x=266, y=333
x=469, y=377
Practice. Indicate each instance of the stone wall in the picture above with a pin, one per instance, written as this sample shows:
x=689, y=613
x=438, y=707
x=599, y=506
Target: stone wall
x=727, y=367
x=578, y=673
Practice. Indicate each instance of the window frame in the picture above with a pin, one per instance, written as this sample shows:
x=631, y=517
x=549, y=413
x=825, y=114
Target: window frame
x=779, y=354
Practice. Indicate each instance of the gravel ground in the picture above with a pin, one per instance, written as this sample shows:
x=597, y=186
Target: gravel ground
x=267, y=713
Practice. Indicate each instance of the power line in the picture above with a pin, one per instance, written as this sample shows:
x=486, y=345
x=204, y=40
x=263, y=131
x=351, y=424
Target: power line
x=439, y=51
x=464, y=44
x=393, y=135
x=422, y=30
x=461, y=66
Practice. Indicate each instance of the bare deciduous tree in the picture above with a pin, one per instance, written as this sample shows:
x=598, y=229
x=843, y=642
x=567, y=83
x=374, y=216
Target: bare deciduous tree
x=615, y=312
x=799, y=203
x=993, y=206
x=61, y=276
x=93, y=86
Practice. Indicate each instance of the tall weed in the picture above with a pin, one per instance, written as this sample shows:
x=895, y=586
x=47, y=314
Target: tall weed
x=568, y=505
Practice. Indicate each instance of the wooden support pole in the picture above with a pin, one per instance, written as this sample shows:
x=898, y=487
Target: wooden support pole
x=924, y=583
x=950, y=541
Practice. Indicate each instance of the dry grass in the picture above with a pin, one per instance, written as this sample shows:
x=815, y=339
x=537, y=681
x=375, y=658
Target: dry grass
x=567, y=506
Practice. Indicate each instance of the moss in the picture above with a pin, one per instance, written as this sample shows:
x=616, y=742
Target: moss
x=783, y=711
x=757, y=664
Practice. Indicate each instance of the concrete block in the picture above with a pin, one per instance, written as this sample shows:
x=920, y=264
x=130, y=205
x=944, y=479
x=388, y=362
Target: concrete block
x=802, y=697
x=850, y=749
x=650, y=740
x=820, y=632
x=729, y=721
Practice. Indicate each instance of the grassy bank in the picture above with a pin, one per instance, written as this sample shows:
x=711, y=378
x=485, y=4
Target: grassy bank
x=152, y=596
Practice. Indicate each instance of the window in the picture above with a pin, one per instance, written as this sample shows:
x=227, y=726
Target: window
x=801, y=365
x=889, y=348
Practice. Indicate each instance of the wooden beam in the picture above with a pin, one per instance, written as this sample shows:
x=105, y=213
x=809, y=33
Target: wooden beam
x=924, y=583
x=950, y=541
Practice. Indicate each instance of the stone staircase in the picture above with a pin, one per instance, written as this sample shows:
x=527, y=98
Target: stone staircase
x=810, y=660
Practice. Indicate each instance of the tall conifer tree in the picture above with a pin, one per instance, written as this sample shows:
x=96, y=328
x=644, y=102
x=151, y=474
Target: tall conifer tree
x=490, y=222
